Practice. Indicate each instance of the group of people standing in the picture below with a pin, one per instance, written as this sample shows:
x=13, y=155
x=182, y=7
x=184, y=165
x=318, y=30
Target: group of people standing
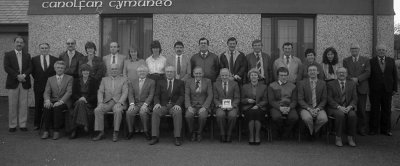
x=85, y=87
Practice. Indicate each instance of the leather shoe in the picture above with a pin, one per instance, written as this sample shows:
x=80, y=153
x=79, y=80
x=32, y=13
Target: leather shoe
x=36, y=128
x=115, y=136
x=56, y=135
x=193, y=137
x=154, y=141
x=99, y=136
x=147, y=135
x=23, y=129
x=388, y=133
x=130, y=136
x=362, y=133
x=45, y=135
x=228, y=139
x=338, y=142
x=73, y=134
x=12, y=130
x=199, y=137
x=351, y=141
x=178, y=141
x=222, y=138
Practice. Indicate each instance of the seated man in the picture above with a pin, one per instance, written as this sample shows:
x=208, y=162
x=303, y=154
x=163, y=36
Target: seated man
x=168, y=98
x=312, y=97
x=56, y=99
x=141, y=93
x=198, y=97
x=342, y=102
x=111, y=96
x=225, y=88
x=282, y=96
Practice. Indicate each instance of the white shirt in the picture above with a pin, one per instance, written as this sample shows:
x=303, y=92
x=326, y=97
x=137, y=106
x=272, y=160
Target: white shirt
x=156, y=65
x=199, y=88
x=227, y=85
x=47, y=60
x=112, y=57
x=71, y=55
x=19, y=59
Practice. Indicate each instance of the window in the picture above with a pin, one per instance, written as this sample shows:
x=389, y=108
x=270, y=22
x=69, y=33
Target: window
x=276, y=30
x=128, y=31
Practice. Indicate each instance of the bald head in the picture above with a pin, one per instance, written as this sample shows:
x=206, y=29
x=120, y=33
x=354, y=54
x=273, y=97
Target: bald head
x=224, y=74
x=71, y=43
x=381, y=50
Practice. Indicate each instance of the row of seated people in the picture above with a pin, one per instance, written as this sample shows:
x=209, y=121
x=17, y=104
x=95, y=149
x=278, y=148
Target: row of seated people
x=311, y=98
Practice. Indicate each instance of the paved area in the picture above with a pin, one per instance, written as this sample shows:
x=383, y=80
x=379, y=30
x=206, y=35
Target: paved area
x=26, y=148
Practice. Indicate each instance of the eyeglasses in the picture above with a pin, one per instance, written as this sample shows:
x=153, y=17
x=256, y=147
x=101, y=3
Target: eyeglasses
x=70, y=43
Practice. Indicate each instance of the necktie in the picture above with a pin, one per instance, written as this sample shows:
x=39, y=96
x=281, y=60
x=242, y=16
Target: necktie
x=342, y=86
x=225, y=88
x=231, y=62
x=203, y=55
x=59, y=81
x=343, y=96
x=169, y=89
x=382, y=63
x=197, y=85
x=178, y=65
x=19, y=58
x=113, y=60
x=70, y=55
x=141, y=81
x=354, y=59
x=44, y=63
x=287, y=59
x=382, y=60
x=259, y=63
x=314, y=95
x=113, y=84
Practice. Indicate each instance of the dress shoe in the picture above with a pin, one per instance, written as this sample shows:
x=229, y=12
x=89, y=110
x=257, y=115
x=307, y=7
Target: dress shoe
x=222, y=138
x=73, y=135
x=99, y=136
x=257, y=141
x=351, y=141
x=193, y=137
x=56, y=135
x=23, y=129
x=154, y=141
x=147, y=135
x=130, y=136
x=45, y=135
x=362, y=133
x=36, y=128
x=228, y=139
x=338, y=142
x=178, y=141
x=388, y=133
x=115, y=136
x=12, y=130
x=372, y=133
x=199, y=137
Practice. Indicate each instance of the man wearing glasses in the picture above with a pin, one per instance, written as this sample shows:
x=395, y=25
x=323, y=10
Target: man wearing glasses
x=71, y=59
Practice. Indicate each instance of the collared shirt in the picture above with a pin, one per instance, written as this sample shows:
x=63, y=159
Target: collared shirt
x=259, y=55
x=228, y=54
x=203, y=55
x=281, y=83
x=172, y=83
x=225, y=84
x=176, y=64
x=42, y=60
x=59, y=79
x=71, y=55
x=112, y=58
x=344, y=85
x=287, y=58
x=156, y=66
x=382, y=59
x=198, y=89
x=19, y=58
x=355, y=58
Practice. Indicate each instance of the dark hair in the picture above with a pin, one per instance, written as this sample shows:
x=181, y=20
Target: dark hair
x=85, y=67
x=282, y=70
x=256, y=41
x=203, y=38
x=90, y=44
x=231, y=39
x=308, y=51
x=47, y=44
x=287, y=44
x=20, y=37
x=178, y=43
x=335, y=57
x=155, y=44
x=129, y=52
x=310, y=65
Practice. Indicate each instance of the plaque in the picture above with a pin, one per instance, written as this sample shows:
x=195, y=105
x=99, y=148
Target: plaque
x=226, y=103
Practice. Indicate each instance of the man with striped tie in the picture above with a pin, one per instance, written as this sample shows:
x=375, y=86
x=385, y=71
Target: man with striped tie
x=261, y=61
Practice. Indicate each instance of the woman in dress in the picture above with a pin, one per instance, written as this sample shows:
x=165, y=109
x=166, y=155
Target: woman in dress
x=98, y=68
x=254, y=101
x=84, y=95
x=330, y=63
x=131, y=64
x=311, y=58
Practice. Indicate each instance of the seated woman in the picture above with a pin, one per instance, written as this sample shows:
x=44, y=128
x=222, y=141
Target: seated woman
x=84, y=96
x=254, y=101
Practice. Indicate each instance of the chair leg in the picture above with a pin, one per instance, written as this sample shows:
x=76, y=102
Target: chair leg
x=239, y=128
x=212, y=127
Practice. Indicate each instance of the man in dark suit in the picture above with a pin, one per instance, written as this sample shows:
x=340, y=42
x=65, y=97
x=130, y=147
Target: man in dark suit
x=235, y=61
x=198, y=98
x=383, y=81
x=56, y=100
x=169, y=97
x=42, y=69
x=312, y=97
x=359, y=70
x=71, y=58
x=141, y=93
x=17, y=65
x=342, y=102
x=207, y=60
x=261, y=61
x=226, y=89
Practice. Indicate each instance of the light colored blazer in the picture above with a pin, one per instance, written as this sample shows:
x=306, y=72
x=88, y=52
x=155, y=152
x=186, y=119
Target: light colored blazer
x=54, y=93
x=120, y=63
x=147, y=92
x=202, y=98
x=295, y=66
x=185, y=66
x=118, y=94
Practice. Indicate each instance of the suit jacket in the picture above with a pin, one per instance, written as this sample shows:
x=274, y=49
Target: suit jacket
x=295, y=68
x=147, y=94
x=233, y=93
x=198, y=99
x=305, y=95
x=239, y=63
x=163, y=97
x=12, y=69
x=39, y=75
x=267, y=65
x=73, y=68
x=185, y=66
x=261, y=96
x=387, y=78
x=53, y=93
x=120, y=63
x=361, y=70
x=335, y=94
x=275, y=95
x=90, y=95
x=106, y=93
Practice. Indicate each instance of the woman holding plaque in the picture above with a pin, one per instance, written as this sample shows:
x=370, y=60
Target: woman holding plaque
x=254, y=101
